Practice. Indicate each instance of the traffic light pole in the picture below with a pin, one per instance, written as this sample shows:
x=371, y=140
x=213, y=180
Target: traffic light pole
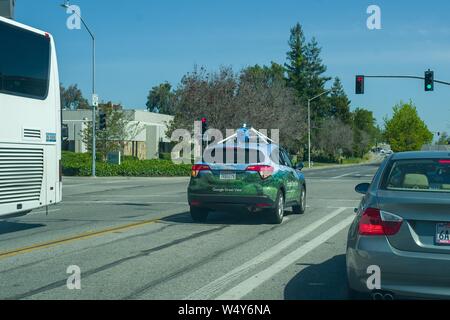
x=67, y=6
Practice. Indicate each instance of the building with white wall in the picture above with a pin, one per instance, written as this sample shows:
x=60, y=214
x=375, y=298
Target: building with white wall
x=150, y=140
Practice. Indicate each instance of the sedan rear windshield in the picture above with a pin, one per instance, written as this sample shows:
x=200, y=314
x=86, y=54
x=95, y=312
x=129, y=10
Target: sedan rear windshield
x=418, y=175
x=236, y=155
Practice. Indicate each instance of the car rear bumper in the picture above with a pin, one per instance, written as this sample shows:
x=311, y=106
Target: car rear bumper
x=405, y=274
x=213, y=201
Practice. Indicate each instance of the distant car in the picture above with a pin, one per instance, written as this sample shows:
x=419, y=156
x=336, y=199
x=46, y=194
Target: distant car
x=267, y=182
x=403, y=227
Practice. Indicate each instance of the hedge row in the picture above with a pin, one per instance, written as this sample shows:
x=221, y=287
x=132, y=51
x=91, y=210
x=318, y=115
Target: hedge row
x=76, y=164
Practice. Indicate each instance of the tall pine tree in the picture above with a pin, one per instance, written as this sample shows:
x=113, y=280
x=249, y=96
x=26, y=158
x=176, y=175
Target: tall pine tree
x=315, y=69
x=339, y=103
x=315, y=80
x=305, y=70
x=296, y=61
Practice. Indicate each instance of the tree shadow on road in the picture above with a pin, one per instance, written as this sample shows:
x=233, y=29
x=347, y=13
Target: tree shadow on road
x=324, y=281
x=11, y=226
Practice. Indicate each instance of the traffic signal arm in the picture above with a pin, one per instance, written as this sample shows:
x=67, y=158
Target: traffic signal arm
x=429, y=81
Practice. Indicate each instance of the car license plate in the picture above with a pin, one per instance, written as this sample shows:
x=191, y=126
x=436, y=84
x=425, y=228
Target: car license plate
x=443, y=233
x=227, y=176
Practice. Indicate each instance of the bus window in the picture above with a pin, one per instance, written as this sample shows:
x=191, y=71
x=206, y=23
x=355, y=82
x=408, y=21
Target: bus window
x=24, y=62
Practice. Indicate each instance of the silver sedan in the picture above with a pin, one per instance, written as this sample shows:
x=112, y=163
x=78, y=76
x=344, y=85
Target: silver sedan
x=399, y=243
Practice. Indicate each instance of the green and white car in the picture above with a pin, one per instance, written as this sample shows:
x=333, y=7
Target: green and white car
x=268, y=183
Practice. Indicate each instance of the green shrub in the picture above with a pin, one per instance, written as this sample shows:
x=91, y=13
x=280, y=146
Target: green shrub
x=78, y=164
x=165, y=156
x=352, y=160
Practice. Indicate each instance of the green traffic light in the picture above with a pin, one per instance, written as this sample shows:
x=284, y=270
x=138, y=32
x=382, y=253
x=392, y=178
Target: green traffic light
x=429, y=86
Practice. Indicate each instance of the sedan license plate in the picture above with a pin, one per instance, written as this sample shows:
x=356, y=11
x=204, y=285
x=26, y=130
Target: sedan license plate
x=443, y=233
x=227, y=176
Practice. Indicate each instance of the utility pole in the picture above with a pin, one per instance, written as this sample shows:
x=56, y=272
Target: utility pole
x=309, y=124
x=94, y=95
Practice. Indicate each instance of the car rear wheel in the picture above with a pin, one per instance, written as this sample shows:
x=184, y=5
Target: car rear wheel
x=276, y=215
x=199, y=214
x=301, y=208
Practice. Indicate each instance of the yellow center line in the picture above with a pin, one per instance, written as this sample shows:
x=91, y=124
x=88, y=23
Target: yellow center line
x=82, y=236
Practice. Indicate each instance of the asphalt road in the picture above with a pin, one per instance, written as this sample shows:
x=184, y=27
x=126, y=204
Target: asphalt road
x=134, y=239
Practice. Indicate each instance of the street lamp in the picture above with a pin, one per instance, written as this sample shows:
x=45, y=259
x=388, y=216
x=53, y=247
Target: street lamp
x=66, y=5
x=309, y=124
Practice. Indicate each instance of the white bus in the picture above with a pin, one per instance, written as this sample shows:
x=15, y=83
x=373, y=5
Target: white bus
x=30, y=120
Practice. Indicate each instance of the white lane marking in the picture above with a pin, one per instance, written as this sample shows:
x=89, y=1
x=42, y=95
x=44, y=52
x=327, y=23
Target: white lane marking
x=245, y=287
x=346, y=175
x=215, y=287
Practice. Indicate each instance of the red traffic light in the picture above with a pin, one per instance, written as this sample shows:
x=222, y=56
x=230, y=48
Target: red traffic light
x=360, y=84
x=203, y=120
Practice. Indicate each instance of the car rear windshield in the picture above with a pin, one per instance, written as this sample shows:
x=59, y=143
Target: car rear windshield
x=419, y=175
x=236, y=155
x=24, y=62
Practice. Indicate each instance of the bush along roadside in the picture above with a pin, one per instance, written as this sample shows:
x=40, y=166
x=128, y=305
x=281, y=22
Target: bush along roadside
x=77, y=164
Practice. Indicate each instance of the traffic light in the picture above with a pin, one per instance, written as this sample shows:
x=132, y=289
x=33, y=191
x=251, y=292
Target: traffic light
x=360, y=84
x=429, y=80
x=102, y=121
x=204, y=126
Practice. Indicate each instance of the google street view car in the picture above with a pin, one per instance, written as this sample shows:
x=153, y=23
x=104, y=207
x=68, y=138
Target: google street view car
x=247, y=170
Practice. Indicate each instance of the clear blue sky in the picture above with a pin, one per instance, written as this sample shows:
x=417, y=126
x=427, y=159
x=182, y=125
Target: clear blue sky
x=144, y=42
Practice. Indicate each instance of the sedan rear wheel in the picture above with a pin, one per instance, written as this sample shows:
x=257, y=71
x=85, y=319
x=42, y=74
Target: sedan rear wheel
x=301, y=208
x=277, y=213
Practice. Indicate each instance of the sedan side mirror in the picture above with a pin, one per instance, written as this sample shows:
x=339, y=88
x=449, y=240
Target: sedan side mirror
x=362, y=188
x=299, y=166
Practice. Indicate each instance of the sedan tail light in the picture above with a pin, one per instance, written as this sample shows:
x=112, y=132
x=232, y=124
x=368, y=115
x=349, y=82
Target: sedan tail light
x=199, y=167
x=375, y=222
x=264, y=171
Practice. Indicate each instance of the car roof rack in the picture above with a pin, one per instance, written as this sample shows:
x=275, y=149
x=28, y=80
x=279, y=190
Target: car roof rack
x=244, y=133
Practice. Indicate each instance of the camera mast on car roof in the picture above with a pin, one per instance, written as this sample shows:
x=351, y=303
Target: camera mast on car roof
x=246, y=135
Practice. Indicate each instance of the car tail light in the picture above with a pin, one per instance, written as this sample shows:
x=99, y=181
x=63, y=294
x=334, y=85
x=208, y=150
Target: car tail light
x=444, y=161
x=199, y=167
x=375, y=222
x=263, y=205
x=264, y=171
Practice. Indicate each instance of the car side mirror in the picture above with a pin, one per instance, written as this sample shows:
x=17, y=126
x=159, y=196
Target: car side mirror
x=299, y=166
x=362, y=188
